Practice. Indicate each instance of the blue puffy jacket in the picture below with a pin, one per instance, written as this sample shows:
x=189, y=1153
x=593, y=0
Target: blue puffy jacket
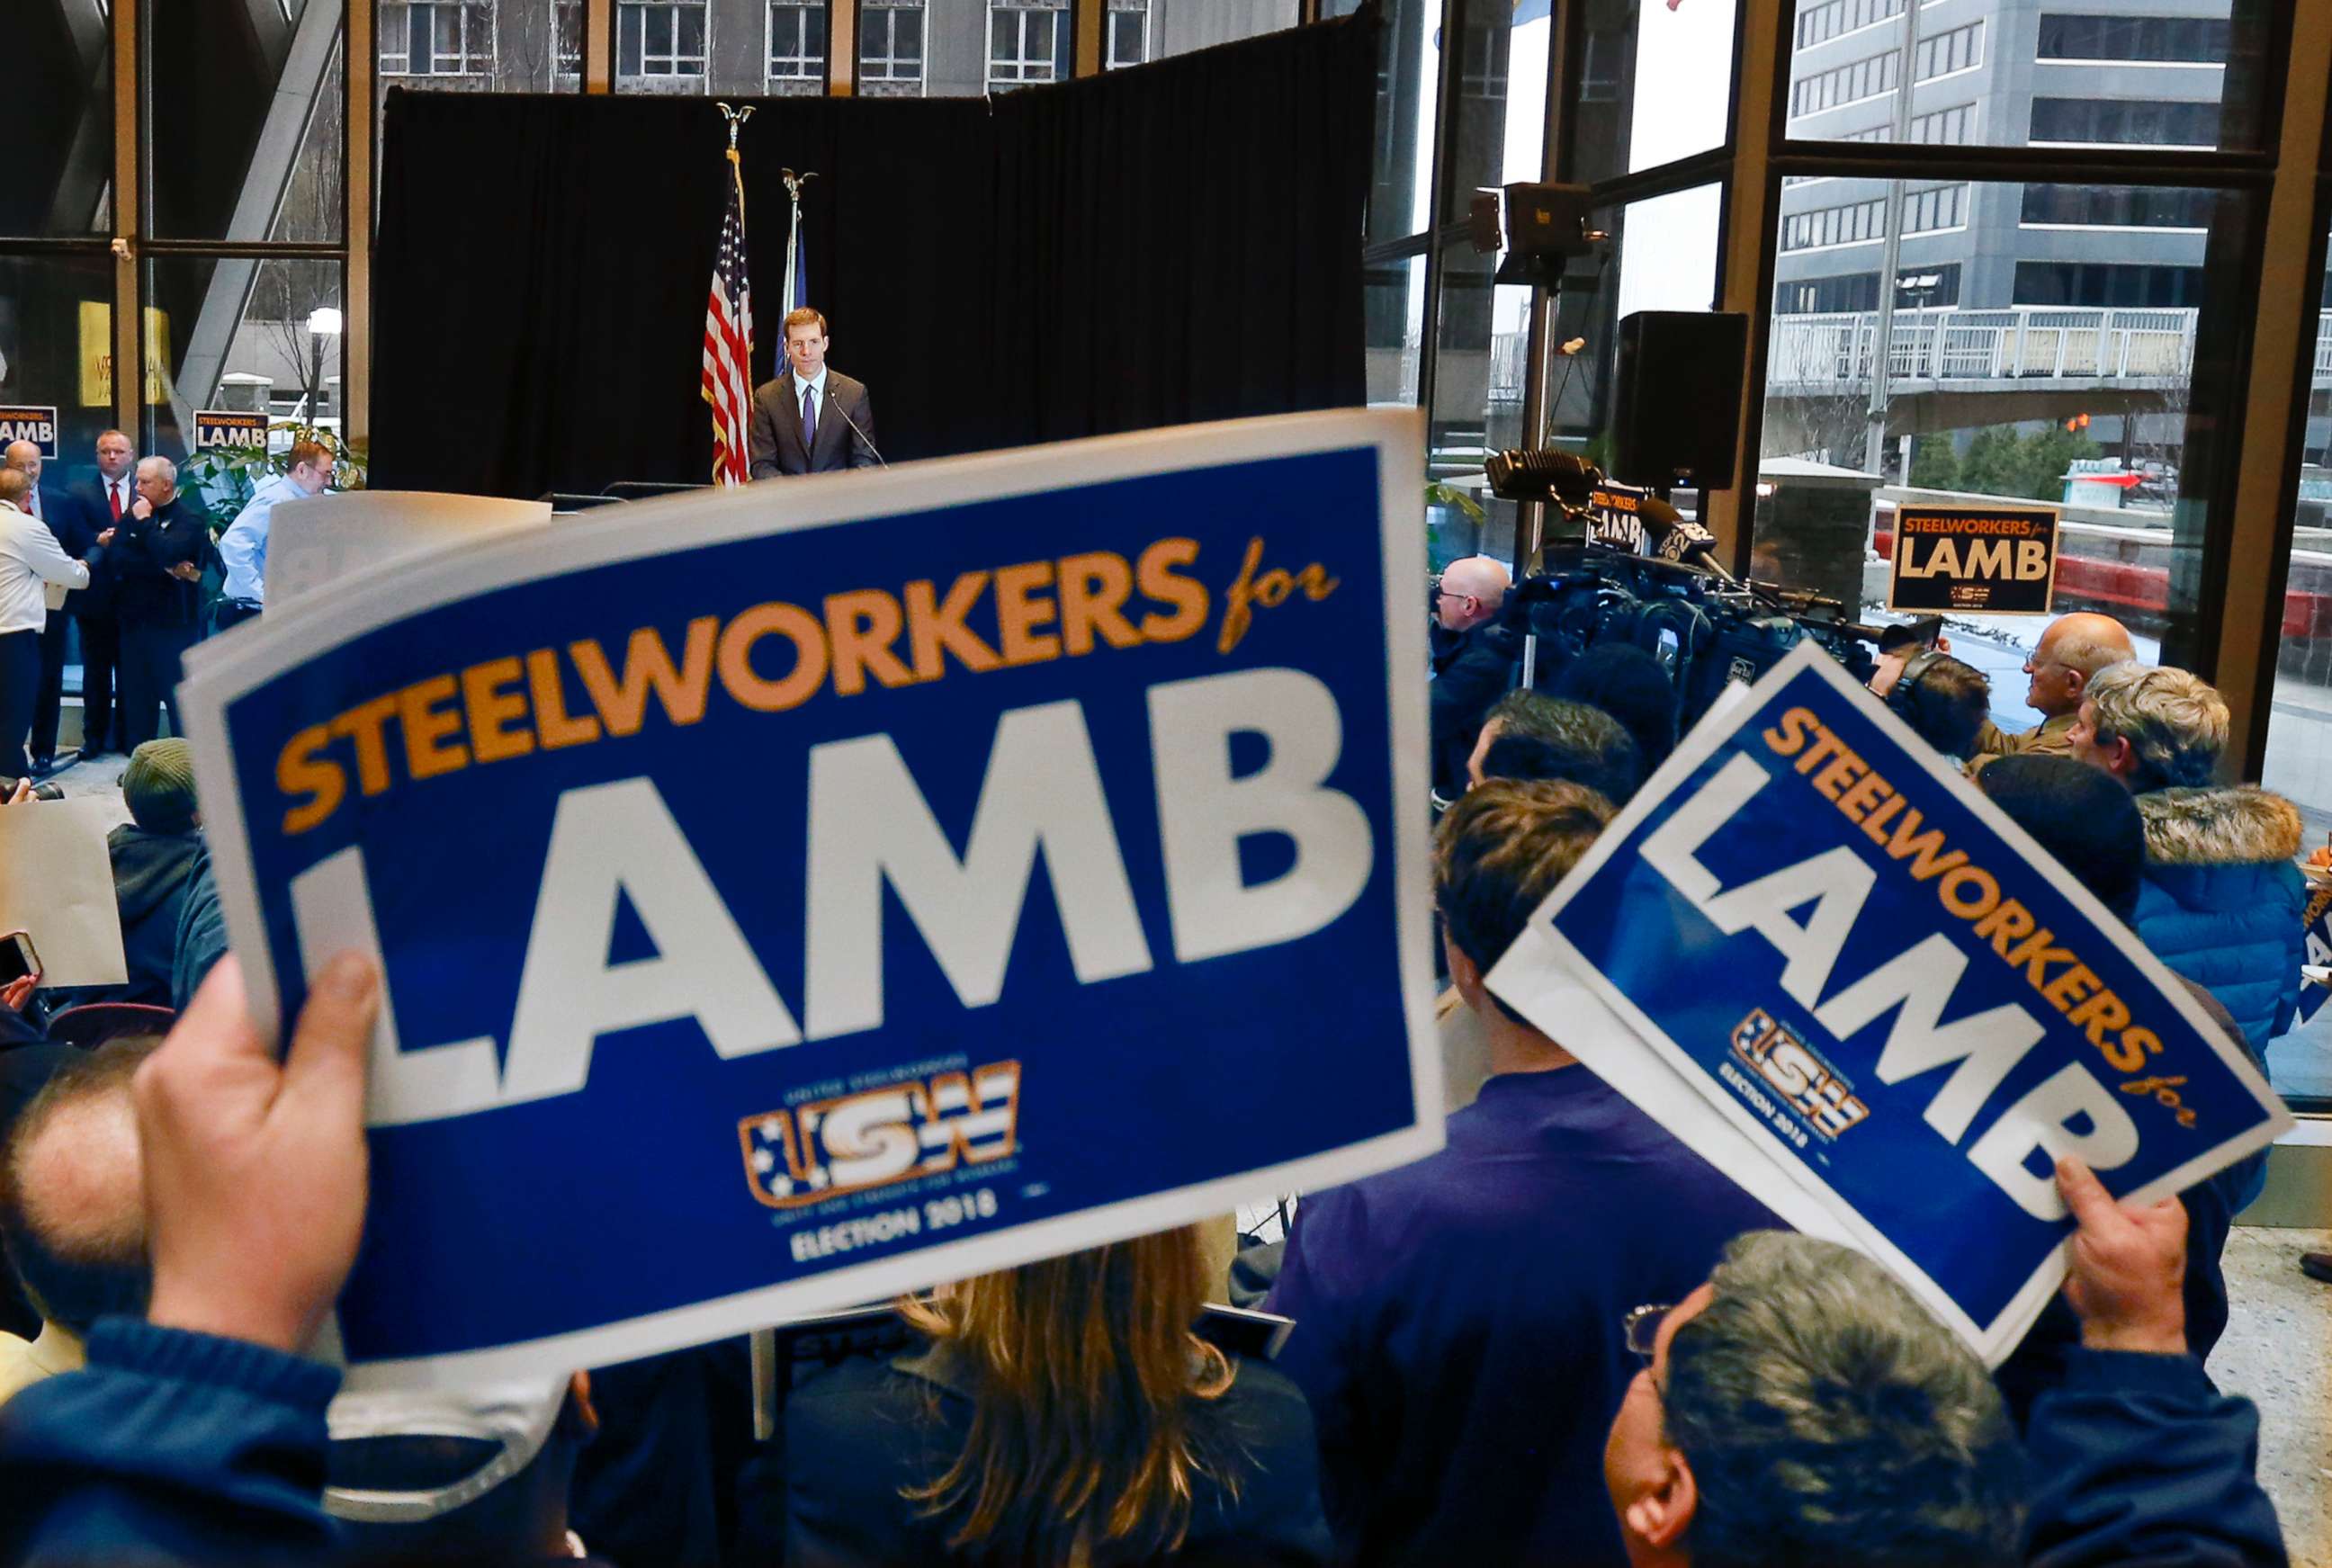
x=2224, y=898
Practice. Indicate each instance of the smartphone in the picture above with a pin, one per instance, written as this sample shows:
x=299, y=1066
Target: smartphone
x=18, y=958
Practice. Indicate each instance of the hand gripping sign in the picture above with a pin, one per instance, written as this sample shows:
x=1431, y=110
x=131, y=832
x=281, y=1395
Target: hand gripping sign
x=804, y=893
x=1818, y=956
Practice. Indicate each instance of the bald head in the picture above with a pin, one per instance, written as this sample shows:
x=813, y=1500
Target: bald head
x=14, y=486
x=1472, y=590
x=2074, y=648
x=73, y=1202
x=26, y=457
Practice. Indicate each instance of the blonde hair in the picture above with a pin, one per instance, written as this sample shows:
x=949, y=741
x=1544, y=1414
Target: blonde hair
x=2175, y=721
x=1081, y=1430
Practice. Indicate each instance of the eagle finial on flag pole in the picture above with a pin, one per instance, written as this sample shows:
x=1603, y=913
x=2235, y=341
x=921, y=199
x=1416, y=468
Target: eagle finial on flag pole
x=728, y=378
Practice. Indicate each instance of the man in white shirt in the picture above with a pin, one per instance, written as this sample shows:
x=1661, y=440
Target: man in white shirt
x=43, y=501
x=103, y=503
x=30, y=556
x=243, y=546
x=812, y=419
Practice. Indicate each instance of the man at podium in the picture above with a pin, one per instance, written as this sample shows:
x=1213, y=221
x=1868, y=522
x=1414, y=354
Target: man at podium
x=812, y=419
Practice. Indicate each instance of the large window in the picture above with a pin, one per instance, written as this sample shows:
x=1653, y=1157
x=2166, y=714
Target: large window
x=436, y=38
x=1028, y=40
x=2298, y=760
x=891, y=48
x=2200, y=80
x=1865, y=222
x=661, y=42
x=59, y=64
x=2003, y=367
x=2150, y=40
x=1139, y=30
x=796, y=46
x=2115, y=121
x=242, y=333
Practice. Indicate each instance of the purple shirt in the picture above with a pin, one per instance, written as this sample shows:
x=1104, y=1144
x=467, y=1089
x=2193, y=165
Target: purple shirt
x=1458, y=1321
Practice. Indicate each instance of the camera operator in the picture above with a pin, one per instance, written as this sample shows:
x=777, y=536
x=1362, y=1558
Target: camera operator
x=1943, y=698
x=1476, y=668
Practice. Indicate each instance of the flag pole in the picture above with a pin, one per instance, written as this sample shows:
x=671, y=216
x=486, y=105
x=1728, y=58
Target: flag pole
x=794, y=184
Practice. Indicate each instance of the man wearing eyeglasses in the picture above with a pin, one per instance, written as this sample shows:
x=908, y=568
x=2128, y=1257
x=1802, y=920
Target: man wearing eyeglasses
x=1802, y=1407
x=1458, y=1321
x=2074, y=648
x=1476, y=665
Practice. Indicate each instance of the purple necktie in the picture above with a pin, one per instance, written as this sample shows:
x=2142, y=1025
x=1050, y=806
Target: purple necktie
x=809, y=420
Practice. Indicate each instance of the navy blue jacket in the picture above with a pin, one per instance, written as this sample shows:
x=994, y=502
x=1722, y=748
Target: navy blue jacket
x=171, y=1448
x=1458, y=1321
x=2223, y=899
x=2137, y=1458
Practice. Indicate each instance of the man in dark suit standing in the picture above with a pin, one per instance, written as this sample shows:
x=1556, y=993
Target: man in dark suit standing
x=102, y=503
x=49, y=505
x=811, y=420
x=157, y=554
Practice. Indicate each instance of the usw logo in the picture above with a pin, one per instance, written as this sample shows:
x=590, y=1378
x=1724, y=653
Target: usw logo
x=920, y=1127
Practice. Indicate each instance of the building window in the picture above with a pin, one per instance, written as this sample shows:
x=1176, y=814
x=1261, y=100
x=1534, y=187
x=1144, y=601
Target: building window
x=1953, y=127
x=660, y=38
x=1940, y=208
x=1854, y=223
x=2104, y=285
x=796, y=46
x=1482, y=75
x=891, y=48
x=2143, y=123
x=1858, y=292
x=2152, y=40
x=436, y=38
x=1961, y=49
x=1127, y=41
x=1820, y=23
x=567, y=36
x=2118, y=206
x=1028, y=40
x=1845, y=84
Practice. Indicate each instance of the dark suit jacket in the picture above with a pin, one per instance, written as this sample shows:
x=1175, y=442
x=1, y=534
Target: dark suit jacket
x=777, y=428
x=92, y=517
x=141, y=556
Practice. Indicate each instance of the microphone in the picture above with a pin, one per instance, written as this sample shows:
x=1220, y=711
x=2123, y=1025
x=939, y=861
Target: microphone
x=1674, y=539
x=862, y=435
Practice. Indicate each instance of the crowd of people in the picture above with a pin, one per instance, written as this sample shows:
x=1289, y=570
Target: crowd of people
x=1565, y=1338
x=120, y=561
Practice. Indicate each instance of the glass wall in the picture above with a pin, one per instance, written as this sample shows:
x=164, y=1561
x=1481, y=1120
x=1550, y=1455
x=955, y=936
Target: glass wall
x=254, y=334
x=243, y=124
x=2298, y=762
x=61, y=122
x=56, y=338
x=2005, y=363
x=1133, y=31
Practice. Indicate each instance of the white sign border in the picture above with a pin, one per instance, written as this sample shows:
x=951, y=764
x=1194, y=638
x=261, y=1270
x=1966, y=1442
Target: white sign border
x=1995, y=1340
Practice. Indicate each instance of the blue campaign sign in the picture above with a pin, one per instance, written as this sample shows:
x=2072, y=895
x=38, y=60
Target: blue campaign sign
x=1823, y=931
x=33, y=422
x=796, y=894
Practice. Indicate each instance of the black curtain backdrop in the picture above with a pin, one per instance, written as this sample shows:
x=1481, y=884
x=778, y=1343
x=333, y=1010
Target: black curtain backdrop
x=1175, y=243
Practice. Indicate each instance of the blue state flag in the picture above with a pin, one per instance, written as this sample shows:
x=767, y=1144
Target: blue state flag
x=1829, y=963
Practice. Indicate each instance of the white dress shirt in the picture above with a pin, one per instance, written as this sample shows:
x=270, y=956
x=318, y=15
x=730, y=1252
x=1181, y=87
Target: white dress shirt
x=124, y=489
x=30, y=556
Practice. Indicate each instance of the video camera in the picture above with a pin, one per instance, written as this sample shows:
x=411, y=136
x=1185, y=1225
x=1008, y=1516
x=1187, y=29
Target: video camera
x=1677, y=602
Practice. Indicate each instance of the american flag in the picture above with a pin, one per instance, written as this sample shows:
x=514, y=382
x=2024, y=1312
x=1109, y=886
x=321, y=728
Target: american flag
x=729, y=341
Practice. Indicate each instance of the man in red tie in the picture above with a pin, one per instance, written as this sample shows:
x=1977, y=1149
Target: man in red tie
x=99, y=503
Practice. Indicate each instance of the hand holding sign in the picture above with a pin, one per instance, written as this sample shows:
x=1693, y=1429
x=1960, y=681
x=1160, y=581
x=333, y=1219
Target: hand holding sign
x=2127, y=1267
x=255, y=1172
